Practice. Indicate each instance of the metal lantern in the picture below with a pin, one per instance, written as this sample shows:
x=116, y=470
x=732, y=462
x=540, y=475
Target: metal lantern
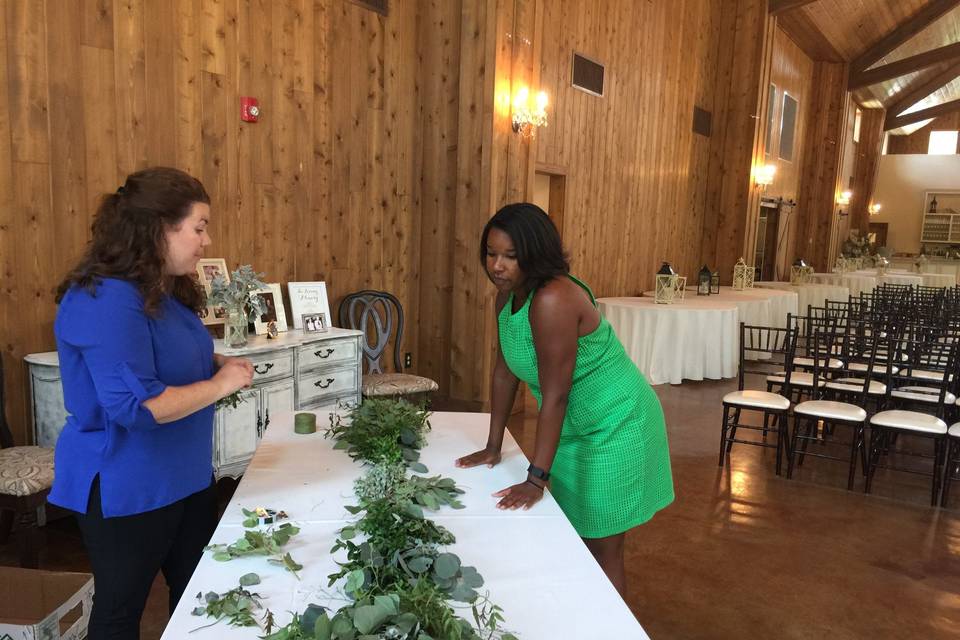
x=666, y=284
x=740, y=271
x=921, y=263
x=703, y=281
x=715, y=282
x=882, y=264
x=681, y=289
x=841, y=266
x=800, y=272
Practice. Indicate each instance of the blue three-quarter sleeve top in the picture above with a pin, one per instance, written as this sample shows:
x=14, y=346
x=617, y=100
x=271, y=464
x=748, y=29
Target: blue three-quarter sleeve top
x=114, y=357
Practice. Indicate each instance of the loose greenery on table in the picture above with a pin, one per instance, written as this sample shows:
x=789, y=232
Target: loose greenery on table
x=261, y=542
x=382, y=430
x=236, y=606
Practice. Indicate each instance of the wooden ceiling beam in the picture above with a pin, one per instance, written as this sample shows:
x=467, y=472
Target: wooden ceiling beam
x=915, y=95
x=914, y=25
x=903, y=67
x=781, y=6
x=924, y=114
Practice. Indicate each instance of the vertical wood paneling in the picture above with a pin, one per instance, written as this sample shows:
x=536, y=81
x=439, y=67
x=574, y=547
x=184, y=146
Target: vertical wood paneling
x=187, y=134
x=131, y=85
x=99, y=127
x=160, y=75
x=27, y=80
x=97, y=20
x=866, y=166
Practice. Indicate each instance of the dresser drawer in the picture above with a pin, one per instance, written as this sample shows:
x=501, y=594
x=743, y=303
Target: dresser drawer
x=327, y=352
x=326, y=384
x=272, y=365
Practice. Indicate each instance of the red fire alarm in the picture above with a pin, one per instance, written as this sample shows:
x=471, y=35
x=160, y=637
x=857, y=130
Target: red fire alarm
x=249, y=109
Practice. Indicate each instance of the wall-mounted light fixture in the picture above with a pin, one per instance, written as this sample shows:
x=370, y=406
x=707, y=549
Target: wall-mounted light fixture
x=763, y=177
x=529, y=112
x=844, y=200
x=875, y=208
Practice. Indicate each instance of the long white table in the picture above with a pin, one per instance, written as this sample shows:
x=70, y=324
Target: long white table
x=533, y=563
x=812, y=294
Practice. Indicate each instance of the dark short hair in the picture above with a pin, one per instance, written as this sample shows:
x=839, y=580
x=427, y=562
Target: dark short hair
x=540, y=253
x=129, y=243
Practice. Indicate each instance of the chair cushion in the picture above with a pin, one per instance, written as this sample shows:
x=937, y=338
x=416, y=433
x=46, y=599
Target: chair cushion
x=922, y=394
x=929, y=375
x=396, y=384
x=877, y=367
x=853, y=385
x=25, y=471
x=910, y=421
x=954, y=430
x=802, y=361
x=831, y=410
x=757, y=399
x=799, y=379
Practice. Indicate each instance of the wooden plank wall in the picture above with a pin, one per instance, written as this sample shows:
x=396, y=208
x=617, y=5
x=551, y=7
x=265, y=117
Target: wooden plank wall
x=327, y=186
x=824, y=140
x=866, y=165
x=919, y=140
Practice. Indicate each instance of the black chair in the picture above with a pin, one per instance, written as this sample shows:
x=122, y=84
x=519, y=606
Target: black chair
x=763, y=352
x=26, y=475
x=380, y=316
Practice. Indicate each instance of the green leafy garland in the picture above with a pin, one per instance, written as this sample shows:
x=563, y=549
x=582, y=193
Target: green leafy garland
x=257, y=542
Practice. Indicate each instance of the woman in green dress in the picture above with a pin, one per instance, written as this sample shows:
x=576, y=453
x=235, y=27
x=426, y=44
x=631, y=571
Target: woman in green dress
x=601, y=440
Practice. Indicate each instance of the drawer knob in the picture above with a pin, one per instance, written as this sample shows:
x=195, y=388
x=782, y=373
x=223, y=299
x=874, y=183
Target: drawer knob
x=321, y=354
x=266, y=368
x=323, y=385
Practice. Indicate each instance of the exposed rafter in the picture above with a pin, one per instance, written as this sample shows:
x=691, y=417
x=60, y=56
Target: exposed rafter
x=917, y=23
x=905, y=66
x=915, y=95
x=780, y=6
x=924, y=114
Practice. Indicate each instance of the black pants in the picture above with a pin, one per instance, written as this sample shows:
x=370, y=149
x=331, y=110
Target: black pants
x=126, y=553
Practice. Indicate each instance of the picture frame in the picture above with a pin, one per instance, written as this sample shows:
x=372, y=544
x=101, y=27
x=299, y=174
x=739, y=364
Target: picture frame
x=275, y=309
x=308, y=298
x=207, y=270
x=314, y=322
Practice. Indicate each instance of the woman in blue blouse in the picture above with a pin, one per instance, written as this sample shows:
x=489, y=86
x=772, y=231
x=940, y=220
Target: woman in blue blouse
x=140, y=380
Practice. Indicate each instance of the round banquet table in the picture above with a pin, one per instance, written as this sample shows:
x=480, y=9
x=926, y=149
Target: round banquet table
x=763, y=307
x=857, y=282
x=691, y=339
x=891, y=278
x=812, y=294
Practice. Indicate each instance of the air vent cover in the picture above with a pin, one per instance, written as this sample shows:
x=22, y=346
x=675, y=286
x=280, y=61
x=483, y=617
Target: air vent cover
x=380, y=6
x=702, y=121
x=587, y=75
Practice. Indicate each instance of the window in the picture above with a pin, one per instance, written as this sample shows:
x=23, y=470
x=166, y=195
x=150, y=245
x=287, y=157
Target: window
x=788, y=123
x=771, y=122
x=943, y=143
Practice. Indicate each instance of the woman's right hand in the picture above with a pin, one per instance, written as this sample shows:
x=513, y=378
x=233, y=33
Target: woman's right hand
x=235, y=374
x=489, y=457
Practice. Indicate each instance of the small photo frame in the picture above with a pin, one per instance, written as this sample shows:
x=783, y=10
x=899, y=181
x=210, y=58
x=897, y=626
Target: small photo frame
x=275, y=310
x=207, y=270
x=308, y=298
x=314, y=322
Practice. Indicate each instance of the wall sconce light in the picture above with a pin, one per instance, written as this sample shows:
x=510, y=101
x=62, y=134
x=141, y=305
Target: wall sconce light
x=529, y=112
x=844, y=200
x=763, y=177
x=875, y=208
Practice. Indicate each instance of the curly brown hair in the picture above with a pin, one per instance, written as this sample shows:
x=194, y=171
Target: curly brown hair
x=128, y=240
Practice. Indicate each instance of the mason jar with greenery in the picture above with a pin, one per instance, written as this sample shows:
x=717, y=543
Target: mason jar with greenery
x=240, y=302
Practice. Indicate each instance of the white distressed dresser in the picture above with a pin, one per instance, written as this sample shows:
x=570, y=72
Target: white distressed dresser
x=294, y=371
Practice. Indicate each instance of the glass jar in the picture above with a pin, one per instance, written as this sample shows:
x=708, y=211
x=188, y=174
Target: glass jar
x=235, y=328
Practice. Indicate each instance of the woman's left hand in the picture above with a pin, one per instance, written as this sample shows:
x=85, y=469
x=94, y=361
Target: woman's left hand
x=519, y=496
x=220, y=360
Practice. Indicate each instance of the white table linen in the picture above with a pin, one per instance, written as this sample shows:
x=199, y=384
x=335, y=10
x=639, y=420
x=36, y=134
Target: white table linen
x=812, y=294
x=856, y=282
x=542, y=575
x=693, y=339
x=938, y=279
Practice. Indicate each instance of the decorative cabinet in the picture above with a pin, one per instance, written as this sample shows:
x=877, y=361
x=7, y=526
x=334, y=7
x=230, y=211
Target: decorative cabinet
x=941, y=217
x=297, y=370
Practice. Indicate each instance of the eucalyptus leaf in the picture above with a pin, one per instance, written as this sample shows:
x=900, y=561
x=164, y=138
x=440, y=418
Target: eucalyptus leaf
x=309, y=617
x=354, y=581
x=446, y=565
x=323, y=627
x=249, y=579
x=369, y=617
x=419, y=467
x=420, y=564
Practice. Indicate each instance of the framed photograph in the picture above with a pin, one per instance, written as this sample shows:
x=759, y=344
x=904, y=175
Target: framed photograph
x=207, y=270
x=314, y=322
x=275, y=311
x=308, y=298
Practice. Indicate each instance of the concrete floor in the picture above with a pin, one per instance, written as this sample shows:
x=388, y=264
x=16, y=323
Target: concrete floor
x=743, y=553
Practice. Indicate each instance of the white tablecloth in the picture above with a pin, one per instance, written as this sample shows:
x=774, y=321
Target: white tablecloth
x=533, y=563
x=812, y=294
x=763, y=307
x=693, y=339
x=856, y=282
x=939, y=279
x=891, y=277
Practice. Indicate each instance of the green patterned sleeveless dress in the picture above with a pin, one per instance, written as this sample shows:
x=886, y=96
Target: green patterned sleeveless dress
x=612, y=468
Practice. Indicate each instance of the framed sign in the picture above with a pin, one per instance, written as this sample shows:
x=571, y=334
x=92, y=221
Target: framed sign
x=308, y=298
x=207, y=270
x=275, y=310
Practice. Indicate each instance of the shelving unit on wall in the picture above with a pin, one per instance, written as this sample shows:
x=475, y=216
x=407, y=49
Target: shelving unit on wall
x=941, y=219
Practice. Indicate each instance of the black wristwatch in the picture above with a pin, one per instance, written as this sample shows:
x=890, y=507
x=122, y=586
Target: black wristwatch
x=538, y=473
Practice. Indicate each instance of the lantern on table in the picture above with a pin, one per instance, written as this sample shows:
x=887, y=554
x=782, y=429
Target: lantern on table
x=704, y=278
x=921, y=263
x=882, y=263
x=666, y=284
x=742, y=276
x=715, y=282
x=681, y=289
x=842, y=265
x=800, y=272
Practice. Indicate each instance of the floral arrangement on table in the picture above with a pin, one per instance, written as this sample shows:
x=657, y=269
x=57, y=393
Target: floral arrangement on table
x=856, y=245
x=240, y=294
x=400, y=578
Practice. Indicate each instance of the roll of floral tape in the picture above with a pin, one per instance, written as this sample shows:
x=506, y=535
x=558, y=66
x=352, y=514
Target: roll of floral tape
x=304, y=423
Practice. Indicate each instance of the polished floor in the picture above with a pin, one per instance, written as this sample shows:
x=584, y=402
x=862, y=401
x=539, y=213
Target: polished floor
x=743, y=553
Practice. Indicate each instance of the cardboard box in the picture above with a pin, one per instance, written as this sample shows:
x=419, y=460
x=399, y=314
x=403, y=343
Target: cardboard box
x=44, y=605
